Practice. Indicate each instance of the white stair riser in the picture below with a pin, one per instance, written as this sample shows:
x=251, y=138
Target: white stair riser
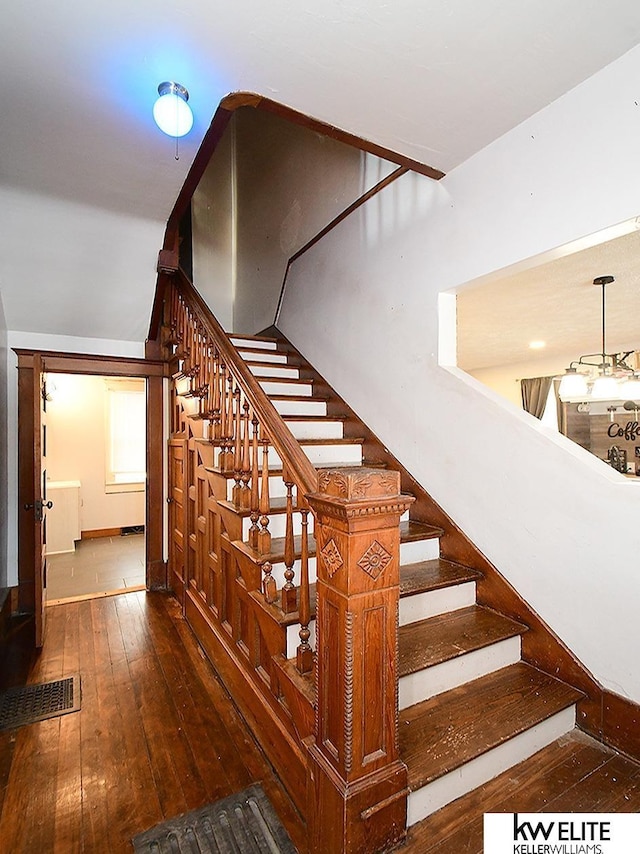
x=277, y=571
x=280, y=371
x=293, y=638
x=341, y=455
x=295, y=389
x=268, y=356
x=316, y=429
x=421, y=606
x=433, y=796
x=239, y=341
x=300, y=407
x=418, y=550
x=426, y=683
x=277, y=525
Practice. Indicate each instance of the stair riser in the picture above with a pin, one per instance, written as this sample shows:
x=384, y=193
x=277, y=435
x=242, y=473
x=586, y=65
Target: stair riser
x=340, y=455
x=418, y=550
x=300, y=407
x=268, y=356
x=295, y=389
x=276, y=371
x=433, y=796
x=316, y=429
x=240, y=342
x=421, y=606
x=451, y=674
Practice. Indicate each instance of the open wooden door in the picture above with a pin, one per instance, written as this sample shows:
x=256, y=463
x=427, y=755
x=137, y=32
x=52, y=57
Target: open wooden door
x=33, y=502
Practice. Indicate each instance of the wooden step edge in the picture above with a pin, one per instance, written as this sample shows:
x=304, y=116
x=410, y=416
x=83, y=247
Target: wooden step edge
x=345, y=440
x=260, y=363
x=435, y=574
x=289, y=380
x=235, y=335
x=305, y=682
x=276, y=470
x=443, y=733
x=300, y=398
x=259, y=350
x=412, y=530
x=445, y=637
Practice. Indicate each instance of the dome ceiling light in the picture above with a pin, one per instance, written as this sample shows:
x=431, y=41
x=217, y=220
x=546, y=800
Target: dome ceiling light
x=171, y=111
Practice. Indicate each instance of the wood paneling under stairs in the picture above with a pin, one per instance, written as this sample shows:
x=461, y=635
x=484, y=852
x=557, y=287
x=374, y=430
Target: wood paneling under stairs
x=157, y=734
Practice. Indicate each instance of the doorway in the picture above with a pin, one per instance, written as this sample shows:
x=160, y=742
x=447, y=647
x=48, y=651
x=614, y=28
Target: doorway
x=33, y=501
x=96, y=480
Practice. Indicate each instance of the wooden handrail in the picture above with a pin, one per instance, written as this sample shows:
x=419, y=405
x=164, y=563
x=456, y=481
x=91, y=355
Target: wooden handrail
x=293, y=457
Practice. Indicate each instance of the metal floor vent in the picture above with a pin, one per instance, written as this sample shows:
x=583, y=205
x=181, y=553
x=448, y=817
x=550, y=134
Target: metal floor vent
x=245, y=823
x=31, y=703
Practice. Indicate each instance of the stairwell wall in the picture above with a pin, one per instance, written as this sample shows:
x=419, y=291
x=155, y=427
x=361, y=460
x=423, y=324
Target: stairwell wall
x=362, y=305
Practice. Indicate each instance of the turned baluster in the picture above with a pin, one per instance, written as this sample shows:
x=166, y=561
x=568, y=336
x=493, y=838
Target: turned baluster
x=255, y=494
x=226, y=439
x=304, y=654
x=214, y=397
x=264, y=535
x=245, y=468
x=223, y=414
x=237, y=448
x=289, y=593
x=269, y=583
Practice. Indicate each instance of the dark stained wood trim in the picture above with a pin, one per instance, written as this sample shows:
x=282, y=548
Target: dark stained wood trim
x=98, y=533
x=78, y=363
x=154, y=495
x=223, y=114
x=397, y=173
x=247, y=99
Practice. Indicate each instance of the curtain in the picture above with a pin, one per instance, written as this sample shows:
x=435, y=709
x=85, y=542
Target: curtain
x=561, y=408
x=534, y=394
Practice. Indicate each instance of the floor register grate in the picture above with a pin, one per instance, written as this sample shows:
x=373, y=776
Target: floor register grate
x=31, y=703
x=245, y=823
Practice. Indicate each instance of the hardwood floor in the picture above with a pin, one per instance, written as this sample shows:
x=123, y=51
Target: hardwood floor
x=157, y=734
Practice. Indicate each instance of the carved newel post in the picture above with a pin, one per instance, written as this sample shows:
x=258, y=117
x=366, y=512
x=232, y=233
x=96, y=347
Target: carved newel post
x=357, y=795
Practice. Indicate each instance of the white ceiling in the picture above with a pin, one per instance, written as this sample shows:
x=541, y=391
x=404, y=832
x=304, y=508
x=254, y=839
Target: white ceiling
x=556, y=303
x=87, y=181
x=434, y=79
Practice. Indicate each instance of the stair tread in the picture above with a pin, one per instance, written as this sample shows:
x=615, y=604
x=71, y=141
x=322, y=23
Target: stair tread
x=446, y=636
x=262, y=363
x=410, y=530
x=276, y=469
x=291, y=380
x=433, y=575
x=233, y=336
x=277, y=506
x=302, y=398
x=441, y=734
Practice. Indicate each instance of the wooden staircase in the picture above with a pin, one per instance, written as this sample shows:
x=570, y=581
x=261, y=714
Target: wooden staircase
x=383, y=663
x=469, y=707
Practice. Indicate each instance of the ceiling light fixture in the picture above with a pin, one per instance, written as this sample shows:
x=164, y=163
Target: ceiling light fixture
x=603, y=383
x=171, y=111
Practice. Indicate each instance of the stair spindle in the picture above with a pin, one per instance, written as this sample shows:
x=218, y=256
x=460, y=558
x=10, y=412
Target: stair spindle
x=237, y=448
x=214, y=433
x=304, y=653
x=289, y=593
x=269, y=583
x=245, y=468
x=264, y=535
x=255, y=487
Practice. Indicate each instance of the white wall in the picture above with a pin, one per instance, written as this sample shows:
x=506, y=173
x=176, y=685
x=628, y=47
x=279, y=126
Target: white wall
x=213, y=218
x=72, y=269
x=41, y=341
x=76, y=450
x=4, y=496
x=563, y=529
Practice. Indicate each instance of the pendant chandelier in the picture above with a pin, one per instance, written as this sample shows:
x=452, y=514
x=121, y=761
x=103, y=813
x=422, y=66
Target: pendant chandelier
x=610, y=377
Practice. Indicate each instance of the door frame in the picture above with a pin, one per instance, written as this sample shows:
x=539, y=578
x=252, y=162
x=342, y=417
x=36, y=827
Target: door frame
x=79, y=363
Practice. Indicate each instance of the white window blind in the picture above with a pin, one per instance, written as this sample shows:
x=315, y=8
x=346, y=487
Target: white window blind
x=126, y=436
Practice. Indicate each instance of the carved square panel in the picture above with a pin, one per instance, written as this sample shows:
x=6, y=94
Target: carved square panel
x=331, y=557
x=374, y=560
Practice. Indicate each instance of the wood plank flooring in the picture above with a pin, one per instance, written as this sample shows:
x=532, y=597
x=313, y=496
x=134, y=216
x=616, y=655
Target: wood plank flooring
x=157, y=734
